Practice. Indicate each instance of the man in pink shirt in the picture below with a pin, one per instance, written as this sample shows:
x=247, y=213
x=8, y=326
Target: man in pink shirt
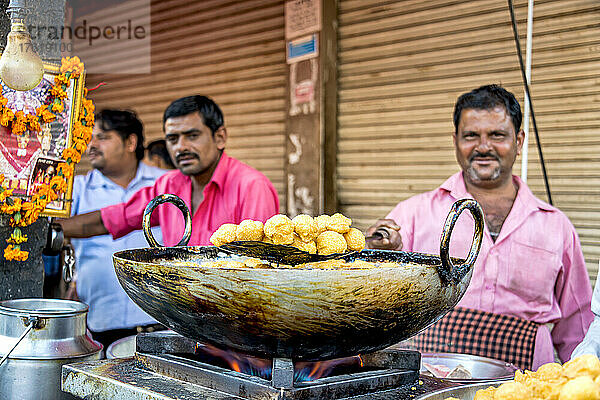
x=530, y=292
x=216, y=188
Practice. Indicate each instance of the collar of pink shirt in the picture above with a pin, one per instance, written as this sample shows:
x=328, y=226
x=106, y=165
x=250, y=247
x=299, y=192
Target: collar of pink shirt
x=525, y=202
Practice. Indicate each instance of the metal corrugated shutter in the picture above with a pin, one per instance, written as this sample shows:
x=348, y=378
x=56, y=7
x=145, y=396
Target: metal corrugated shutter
x=403, y=63
x=231, y=51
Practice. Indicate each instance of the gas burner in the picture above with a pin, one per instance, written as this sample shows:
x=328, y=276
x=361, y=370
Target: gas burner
x=169, y=366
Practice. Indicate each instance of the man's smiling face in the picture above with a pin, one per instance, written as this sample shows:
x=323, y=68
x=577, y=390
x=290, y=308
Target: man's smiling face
x=487, y=146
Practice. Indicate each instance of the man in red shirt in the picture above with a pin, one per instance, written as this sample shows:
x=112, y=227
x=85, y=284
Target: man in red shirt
x=216, y=188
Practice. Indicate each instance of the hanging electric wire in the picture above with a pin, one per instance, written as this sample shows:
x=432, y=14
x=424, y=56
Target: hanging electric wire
x=528, y=93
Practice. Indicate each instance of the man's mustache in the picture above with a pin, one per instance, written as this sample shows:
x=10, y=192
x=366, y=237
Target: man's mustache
x=178, y=157
x=483, y=155
x=92, y=151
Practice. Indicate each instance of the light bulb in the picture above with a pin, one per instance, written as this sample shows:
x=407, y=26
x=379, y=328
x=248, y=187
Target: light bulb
x=20, y=67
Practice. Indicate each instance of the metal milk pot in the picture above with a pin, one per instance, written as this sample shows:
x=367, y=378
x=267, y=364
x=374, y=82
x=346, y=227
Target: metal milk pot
x=38, y=336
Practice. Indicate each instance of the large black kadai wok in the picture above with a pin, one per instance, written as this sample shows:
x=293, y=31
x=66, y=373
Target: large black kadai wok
x=297, y=313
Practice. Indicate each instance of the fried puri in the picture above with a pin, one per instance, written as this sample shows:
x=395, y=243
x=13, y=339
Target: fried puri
x=305, y=227
x=339, y=223
x=298, y=243
x=250, y=230
x=225, y=234
x=577, y=379
x=280, y=229
x=586, y=364
x=355, y=239
x=322, y=222
x=330, y=242
x=302, y=232
x=580, y=388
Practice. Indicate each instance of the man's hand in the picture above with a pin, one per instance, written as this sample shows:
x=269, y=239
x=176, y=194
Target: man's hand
x=384, y=234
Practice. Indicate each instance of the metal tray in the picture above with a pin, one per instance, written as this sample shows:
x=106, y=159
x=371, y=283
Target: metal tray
x=482, y=369
x=466, y=392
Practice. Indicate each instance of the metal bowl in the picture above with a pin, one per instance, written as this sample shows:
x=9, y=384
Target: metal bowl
x=124, y=347
x=482, y=369
x=466, y=392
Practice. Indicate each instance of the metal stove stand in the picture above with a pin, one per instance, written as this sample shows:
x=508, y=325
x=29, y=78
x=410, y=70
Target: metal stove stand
x=159, y=370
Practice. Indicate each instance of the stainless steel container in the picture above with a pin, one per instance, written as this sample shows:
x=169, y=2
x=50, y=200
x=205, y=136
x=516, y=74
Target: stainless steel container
x=49, y=333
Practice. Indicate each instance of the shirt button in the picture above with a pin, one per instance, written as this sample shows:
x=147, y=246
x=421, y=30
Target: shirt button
x=488, y=287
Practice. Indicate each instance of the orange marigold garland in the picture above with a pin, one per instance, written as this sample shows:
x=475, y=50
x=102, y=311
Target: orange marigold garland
x=24, y=213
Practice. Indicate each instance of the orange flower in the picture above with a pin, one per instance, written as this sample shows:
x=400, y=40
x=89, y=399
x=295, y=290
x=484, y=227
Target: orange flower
x=86, y=133
x=45, y=115
x=15, y=253
x=58, y=184
x=3, y=100
x=61, y=79
x=77, y=130
x=7, y=117
x=31, y=216
x=43, y=190
x=71, y=154
x=66, y=170
x=19, y=121
x=11, y=206
x=72, y=65
x=33, y=122
x=58, y=92
x=38, y=203
x=5, y=194
x=58, y=106
x=79, y=144
x=89, y=119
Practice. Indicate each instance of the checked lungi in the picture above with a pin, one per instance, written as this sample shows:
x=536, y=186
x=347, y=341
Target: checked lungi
x=467, y=331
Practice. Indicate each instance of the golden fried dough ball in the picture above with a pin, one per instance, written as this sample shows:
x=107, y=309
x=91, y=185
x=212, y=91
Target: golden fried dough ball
x=355, y=239
x=330, y=242
x=283, y=239
x=580, y=388
x=250, y=230
x=549, y=372
x=280, y=229
x=305, y=227
x=586, y=364
x=339, y=223
x=322, y=222
x=311, y=246
x=485, y=394
x=512, y=391
x=544, y=389
x=267, y=239
x=225, y=234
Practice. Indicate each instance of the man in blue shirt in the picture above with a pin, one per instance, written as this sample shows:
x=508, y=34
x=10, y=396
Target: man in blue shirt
x=115, y=152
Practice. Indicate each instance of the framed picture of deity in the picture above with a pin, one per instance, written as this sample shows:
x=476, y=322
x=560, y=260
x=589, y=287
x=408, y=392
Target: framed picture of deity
x=31, y=159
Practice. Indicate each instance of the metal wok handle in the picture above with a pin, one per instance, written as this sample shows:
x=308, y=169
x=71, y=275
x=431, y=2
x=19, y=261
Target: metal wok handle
x=175, y=200
x=450, y=273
